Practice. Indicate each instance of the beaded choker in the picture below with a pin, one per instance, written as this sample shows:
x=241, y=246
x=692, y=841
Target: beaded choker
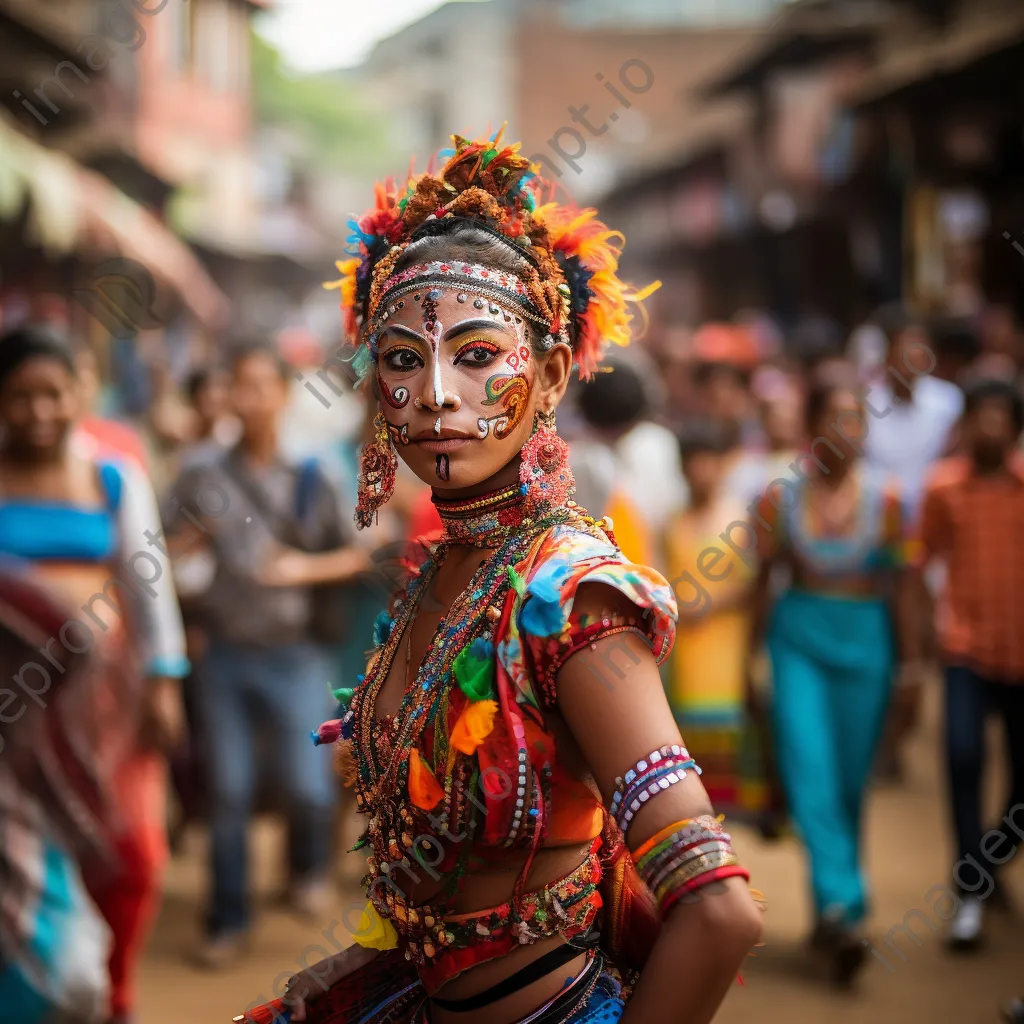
x=484, y=521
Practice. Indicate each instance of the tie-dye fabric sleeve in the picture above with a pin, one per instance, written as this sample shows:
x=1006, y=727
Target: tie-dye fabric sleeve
x=546, y=631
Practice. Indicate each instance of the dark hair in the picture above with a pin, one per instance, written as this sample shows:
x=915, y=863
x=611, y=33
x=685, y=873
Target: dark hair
x=814, y=340
x=955, y=336
x=196, y=381
x=33, y=341
x=823, y=384
x=987, y=388
x=615, y=397
x=259, y=349
x=702, y=437
x=473, y=243
x=894, y=318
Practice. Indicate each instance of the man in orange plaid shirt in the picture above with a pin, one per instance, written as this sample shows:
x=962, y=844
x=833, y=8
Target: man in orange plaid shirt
x=972, y=519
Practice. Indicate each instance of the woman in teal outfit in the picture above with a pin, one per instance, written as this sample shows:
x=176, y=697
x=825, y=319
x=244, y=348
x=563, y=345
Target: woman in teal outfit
x=834, y=637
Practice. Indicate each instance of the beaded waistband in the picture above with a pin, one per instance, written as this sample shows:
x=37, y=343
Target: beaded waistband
x=443, y=947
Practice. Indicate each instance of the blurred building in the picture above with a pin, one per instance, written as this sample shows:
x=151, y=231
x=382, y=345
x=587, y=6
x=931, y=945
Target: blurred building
x=590, y=88
x=82, y=233
x=872, y=156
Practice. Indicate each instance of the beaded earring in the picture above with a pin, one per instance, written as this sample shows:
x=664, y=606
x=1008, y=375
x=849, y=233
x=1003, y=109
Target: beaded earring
x=378, y=464
x=544, y=470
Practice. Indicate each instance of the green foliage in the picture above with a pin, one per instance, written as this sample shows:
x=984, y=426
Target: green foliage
x=339, y=130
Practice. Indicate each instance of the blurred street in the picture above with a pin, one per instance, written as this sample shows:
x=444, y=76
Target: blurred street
x=908, y=854
x=765, y=257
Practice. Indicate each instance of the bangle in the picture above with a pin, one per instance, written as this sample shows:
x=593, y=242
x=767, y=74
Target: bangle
x=686, y=856
x=624, y=792
x=708, y=878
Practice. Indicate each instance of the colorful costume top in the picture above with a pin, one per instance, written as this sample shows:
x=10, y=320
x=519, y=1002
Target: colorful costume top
x=875, y=539
x=468, y=769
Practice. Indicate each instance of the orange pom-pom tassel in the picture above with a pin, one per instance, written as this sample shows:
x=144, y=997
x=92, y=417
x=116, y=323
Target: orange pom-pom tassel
x=424, y=790
x=475, y=724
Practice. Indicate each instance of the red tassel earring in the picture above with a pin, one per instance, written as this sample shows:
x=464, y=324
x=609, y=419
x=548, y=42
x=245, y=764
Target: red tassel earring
x=378, y=464
x=544, y=471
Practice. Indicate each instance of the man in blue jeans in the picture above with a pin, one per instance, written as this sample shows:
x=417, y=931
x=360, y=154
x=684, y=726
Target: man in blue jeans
x=263, y=534
x=972, y=519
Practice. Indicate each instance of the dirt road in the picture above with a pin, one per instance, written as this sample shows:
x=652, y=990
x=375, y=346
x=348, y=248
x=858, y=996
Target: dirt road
x=909, y=854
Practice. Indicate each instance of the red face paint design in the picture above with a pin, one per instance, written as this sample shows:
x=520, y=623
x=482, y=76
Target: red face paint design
x=397, y=398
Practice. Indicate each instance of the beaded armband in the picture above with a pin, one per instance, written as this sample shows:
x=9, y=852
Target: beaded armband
x=685, y=857
x=649, y=777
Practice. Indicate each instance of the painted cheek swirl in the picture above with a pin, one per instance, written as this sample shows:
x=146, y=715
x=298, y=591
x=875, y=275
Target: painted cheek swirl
x=397, y=399
x=512, y=393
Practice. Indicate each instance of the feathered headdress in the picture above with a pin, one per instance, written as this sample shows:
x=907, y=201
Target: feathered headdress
x=572, y=286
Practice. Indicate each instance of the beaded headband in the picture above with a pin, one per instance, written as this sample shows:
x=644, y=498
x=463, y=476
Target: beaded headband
x=470, y=278
x=570, y=287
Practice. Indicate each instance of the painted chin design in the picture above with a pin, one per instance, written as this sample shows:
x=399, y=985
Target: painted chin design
x=443, y=467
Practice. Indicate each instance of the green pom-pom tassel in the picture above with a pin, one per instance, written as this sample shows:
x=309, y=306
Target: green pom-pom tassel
x=474, y=670
x=343, y=695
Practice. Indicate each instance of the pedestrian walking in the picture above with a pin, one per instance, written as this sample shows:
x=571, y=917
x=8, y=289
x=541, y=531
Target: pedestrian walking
x=971, y=522
x=90, y=527
x=833, y=638
x=706, y=686
x=272, y=535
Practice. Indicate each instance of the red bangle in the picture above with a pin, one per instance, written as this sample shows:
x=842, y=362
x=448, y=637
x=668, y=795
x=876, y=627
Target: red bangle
x=714, y=875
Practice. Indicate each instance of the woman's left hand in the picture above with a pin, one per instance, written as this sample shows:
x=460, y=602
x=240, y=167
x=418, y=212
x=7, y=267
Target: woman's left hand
x=163, y=715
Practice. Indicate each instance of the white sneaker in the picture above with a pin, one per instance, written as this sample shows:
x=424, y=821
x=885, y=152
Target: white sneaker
x=965, y=929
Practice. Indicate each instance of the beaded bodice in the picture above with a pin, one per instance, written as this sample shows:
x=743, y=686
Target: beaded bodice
x=467, y=768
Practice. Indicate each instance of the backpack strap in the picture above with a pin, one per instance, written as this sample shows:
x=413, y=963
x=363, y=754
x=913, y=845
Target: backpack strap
x=112, y=483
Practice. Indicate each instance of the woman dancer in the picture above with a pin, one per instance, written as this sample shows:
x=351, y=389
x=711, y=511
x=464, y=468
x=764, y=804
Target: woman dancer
x=511, y=743
x=833, y=638
x=88, y=526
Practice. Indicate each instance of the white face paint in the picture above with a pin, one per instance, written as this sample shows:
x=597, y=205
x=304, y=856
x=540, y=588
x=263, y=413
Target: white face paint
x=433, y=334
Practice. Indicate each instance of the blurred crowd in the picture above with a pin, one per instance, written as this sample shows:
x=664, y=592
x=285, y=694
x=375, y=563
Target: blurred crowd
x=837, y=509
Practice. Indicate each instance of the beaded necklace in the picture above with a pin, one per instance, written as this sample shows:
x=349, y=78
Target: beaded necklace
x=383, y=769
x=485, y=521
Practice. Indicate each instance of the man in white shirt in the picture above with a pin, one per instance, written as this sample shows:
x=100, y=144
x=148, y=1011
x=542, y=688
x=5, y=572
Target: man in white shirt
x=910, y=413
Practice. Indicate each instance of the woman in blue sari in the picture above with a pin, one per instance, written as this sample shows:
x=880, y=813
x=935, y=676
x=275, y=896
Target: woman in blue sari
x=834, y=636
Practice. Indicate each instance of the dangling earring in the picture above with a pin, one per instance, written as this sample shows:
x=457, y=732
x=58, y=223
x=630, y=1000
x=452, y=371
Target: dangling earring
x=544, y=470
x=378, y=464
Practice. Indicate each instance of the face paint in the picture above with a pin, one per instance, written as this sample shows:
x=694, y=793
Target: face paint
x=398, y=398
x=399, y=433
x=513, y=393
x=433, y=327
x=518, y=359
x=469, y=372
